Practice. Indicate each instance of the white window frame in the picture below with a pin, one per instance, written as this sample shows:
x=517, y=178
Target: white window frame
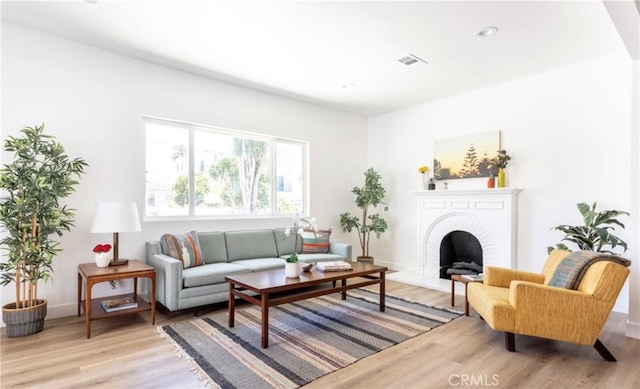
x=192, y=128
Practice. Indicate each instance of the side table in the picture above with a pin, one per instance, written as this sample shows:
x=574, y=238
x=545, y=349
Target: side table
x=92, y=274
x=458, y=278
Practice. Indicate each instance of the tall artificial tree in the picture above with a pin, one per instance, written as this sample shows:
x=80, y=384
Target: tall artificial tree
x=40, y=175
x=371, y=195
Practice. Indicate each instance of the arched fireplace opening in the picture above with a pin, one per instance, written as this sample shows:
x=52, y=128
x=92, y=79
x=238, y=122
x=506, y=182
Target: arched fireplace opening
x=460, y=253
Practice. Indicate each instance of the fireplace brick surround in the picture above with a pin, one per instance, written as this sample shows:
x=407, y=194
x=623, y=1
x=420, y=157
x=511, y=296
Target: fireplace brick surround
x=488, y=214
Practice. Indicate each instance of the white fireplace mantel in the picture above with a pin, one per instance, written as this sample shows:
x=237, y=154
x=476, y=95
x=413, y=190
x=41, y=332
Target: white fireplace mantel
x=488, y=214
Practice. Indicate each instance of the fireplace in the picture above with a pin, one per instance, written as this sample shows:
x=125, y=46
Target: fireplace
x=460, y=253
x=484, y=220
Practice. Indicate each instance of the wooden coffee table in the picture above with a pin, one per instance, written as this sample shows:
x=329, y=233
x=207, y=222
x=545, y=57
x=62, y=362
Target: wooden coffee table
x=266, y=283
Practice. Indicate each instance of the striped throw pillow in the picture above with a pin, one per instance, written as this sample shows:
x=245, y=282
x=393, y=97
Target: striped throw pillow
x=316, y=243
x=185, y=247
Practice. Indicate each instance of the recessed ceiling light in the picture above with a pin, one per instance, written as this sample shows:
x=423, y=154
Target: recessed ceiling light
x=487, y=31
x=348, y=85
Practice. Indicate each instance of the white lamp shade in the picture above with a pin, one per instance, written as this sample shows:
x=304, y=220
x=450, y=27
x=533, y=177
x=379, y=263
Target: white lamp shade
x=111, y=216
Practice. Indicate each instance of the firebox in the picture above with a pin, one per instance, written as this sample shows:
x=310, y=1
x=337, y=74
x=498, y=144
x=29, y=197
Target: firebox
x=460, y=253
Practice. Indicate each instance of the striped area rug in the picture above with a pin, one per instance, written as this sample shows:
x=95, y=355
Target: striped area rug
x=307, y=339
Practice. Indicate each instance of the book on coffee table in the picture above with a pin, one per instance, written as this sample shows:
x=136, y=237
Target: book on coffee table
x=334, y=266
x=119, y=304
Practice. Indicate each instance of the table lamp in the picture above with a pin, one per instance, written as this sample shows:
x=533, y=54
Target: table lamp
x=115, y=217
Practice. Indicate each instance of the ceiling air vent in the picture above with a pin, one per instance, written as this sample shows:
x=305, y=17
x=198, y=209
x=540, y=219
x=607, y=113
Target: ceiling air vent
x=411, y=59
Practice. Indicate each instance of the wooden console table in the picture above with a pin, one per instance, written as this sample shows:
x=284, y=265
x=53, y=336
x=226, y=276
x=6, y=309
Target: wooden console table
x=92, y=274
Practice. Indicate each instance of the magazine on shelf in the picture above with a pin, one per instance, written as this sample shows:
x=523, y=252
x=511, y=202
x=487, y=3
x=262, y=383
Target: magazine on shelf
x=474, y=277
x=334, y=266
x=119, y=304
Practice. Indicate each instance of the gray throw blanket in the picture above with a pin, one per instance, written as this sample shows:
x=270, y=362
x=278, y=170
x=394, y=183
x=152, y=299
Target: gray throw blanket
x=572, y=268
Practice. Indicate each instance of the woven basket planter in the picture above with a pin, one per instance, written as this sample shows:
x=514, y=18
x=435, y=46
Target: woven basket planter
x=24, y=321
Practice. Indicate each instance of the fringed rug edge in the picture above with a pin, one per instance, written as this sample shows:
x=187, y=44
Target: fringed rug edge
x=202, y=376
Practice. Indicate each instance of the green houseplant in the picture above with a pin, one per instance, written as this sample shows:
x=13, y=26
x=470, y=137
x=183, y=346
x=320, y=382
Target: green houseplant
x=501, y=161
x=369, y=196
x=30, y=211
x=595, y=234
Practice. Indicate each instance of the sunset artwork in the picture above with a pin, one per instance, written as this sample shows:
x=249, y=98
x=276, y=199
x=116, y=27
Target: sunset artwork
x=466, y=156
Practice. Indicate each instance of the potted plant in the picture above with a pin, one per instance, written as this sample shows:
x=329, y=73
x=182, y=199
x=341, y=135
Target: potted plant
x=292, y=266
x=369, y=196
x=501, y=161
x=40, y=175
x=595, y=234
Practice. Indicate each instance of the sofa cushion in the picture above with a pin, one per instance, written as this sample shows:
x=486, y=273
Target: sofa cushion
x=316, y=242
x=285, y=243
x=213, y=246
x=211, y=274
x=185, y=247
x=259, y=264
x=250, y=244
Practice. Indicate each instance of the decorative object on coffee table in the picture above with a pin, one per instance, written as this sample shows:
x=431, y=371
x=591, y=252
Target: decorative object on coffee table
x=292, y=269
x=292, y=265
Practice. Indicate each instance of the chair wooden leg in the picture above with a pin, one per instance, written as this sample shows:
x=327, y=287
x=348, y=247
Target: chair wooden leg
x=510, y=341
x=603, y=351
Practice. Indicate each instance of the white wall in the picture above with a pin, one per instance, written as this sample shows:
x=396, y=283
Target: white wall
x=568, y=131
x=93, y=102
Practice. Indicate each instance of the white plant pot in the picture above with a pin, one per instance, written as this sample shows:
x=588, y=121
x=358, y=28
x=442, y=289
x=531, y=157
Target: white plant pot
x=103, y=259
x=292, y=270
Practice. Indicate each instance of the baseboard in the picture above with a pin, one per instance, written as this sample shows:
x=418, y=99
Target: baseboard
x=633, y=330
x=62, y=310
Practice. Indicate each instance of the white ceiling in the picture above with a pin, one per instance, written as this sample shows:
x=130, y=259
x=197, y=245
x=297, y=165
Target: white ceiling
x=310, y=50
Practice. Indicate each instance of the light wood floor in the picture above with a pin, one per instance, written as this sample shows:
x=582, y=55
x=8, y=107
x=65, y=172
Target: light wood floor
x=127, y=352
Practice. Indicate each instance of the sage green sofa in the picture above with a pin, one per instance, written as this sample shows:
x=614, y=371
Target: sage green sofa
x=226, y=253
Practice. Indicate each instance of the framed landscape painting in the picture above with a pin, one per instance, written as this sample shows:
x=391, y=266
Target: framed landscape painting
x=465, y=156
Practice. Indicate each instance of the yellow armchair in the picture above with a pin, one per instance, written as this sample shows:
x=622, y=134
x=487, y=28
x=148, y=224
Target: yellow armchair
x=518, y=302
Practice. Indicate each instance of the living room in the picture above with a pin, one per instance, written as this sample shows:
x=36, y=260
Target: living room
x=572, y=132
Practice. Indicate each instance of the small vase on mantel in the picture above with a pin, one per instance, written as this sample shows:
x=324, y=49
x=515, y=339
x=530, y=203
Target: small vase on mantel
x=502, y=179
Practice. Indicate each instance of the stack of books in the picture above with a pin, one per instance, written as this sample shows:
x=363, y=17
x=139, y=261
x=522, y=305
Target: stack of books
x=119, y=304
x=474, y=277
x=334, y=266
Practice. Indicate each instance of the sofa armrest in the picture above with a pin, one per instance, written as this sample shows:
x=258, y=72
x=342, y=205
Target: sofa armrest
x=342, y=249
x=576, y=317
x=168, y=278
x=502, y=277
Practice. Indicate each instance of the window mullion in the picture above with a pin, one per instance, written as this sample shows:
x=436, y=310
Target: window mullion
x=192, y=175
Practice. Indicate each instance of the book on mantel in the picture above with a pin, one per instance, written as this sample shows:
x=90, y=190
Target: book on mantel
x=334, y=266
x=119, y=304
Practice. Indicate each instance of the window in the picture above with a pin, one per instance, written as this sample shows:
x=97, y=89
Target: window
x=199, y=171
